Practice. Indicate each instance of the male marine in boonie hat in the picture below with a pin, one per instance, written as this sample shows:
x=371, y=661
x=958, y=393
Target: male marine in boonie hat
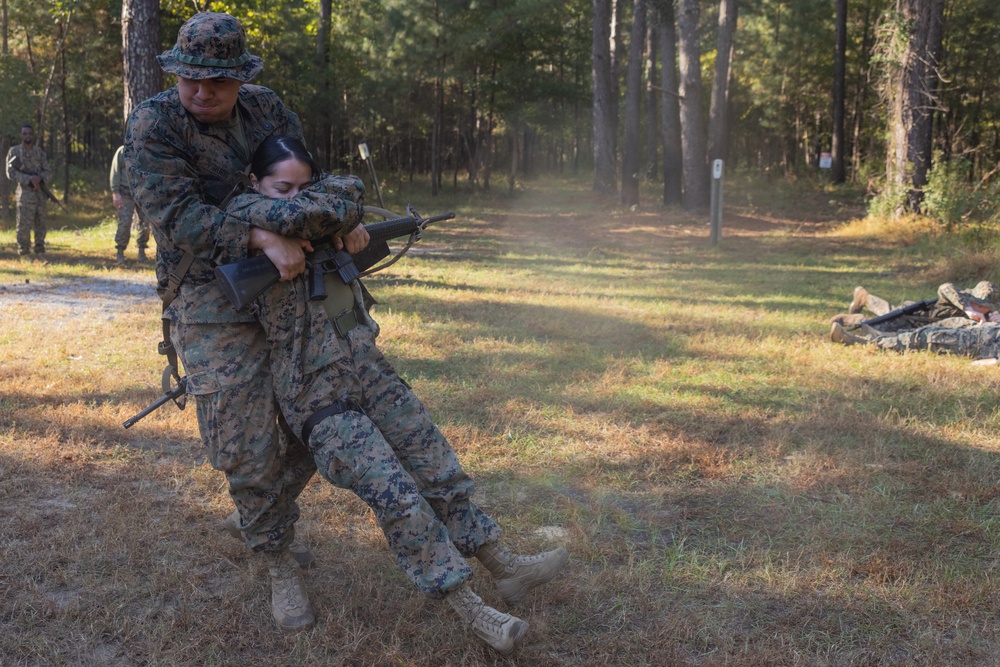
x=211, y=45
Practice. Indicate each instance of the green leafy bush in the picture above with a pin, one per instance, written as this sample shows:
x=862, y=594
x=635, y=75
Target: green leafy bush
x=888, y=202
x=949, y=198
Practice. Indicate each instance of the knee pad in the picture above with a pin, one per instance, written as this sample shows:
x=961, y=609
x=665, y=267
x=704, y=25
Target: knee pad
x=338, y=407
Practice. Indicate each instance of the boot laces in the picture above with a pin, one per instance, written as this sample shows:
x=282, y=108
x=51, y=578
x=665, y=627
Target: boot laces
x=467, y=603
x=491, y=621
x=513, y=562
x=286, y=580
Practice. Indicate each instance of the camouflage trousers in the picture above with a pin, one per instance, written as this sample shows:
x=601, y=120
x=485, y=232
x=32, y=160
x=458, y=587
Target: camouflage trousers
x=379, y=441
x=127, y=218
x=229, y=375
x=955, y=335
x=30, y=218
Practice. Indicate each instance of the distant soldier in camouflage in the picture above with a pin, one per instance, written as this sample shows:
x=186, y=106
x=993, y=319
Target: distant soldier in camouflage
x=367, y=430
x=28, y=166
x=121, y=197
x=185, y=151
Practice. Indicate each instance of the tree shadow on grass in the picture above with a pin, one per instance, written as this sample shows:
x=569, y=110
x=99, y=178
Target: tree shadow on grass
x=828, y=551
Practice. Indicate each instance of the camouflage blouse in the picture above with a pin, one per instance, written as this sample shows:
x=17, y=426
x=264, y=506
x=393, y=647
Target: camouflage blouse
x=32, y=161
x=182, y=171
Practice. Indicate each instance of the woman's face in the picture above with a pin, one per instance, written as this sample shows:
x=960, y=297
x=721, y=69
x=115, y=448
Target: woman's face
x=286, y=180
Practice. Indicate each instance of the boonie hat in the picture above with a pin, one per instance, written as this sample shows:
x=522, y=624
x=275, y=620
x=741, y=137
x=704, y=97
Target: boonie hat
x=211, y=45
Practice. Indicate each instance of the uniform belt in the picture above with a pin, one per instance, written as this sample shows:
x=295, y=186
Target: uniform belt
x=347, y=320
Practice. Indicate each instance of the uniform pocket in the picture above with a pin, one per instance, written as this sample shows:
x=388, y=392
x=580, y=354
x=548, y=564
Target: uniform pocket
x=225, y=433
x=203, y=384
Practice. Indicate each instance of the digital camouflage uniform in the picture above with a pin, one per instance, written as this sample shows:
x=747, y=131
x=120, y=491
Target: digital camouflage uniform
x=181, y=171
x=371, y=434
x=127, y=215
x=31, y=214
x=952, y=302
x=955, y=335
x=984, y=294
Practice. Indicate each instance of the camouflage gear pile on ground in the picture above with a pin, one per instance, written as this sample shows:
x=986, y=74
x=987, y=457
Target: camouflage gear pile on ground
x=181, y=171
x=127, y=216
x=956, y=335
x=370, y=433
x=984, y=294
x=951, y=302
x=30, y=203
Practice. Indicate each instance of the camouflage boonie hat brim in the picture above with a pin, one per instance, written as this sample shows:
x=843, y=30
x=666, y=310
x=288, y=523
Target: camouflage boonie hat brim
x=209, y=46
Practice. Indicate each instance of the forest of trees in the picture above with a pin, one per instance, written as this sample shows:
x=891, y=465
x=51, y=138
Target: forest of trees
x=901, y=92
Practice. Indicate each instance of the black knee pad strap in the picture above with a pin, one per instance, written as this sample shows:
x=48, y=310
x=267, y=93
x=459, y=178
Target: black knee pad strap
x=338, y=407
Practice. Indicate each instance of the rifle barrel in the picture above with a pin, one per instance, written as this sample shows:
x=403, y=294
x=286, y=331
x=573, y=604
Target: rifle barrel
x=174, y=393
x=396, y=227
x=900, y=312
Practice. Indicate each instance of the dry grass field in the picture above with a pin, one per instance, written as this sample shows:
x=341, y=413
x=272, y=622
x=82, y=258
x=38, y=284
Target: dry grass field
x=734, y=489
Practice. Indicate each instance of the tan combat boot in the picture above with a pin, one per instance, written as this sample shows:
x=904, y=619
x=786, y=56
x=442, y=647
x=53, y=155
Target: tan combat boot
x=838, y=334
x=516, y=575
x=848, y=320
x=302, y=554
x=502, y=632
x=859, y=300
x=142, y=254
x=120, y=257
x=289, y=601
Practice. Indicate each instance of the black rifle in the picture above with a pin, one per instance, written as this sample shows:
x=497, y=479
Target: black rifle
x=15, y=163
x=170, y=395
x=926, y=304
x=245, y=280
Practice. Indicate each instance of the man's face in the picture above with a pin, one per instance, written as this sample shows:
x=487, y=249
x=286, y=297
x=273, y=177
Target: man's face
x=27, y=136
x=209, y=100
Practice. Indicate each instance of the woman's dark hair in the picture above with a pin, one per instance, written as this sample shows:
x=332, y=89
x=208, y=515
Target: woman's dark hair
x=278, y=148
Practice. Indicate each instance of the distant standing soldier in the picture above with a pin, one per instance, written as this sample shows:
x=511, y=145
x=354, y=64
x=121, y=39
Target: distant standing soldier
x=121, y=195
x=28, y=167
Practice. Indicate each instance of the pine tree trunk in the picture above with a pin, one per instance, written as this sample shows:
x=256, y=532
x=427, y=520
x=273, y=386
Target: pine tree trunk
x=140, y=46
x=65, y=107
x=632, y=152
x=837, y=174
x=604, y=115
x=436, y=137
x=911, y=92
x=323, y=142
x=692, y=124
x=862, y=87
x=652, y=129
x=670, y=118
x=718, y=116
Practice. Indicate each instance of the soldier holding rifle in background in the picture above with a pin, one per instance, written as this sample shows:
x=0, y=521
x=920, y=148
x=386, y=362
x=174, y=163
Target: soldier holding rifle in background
x=28, y=166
